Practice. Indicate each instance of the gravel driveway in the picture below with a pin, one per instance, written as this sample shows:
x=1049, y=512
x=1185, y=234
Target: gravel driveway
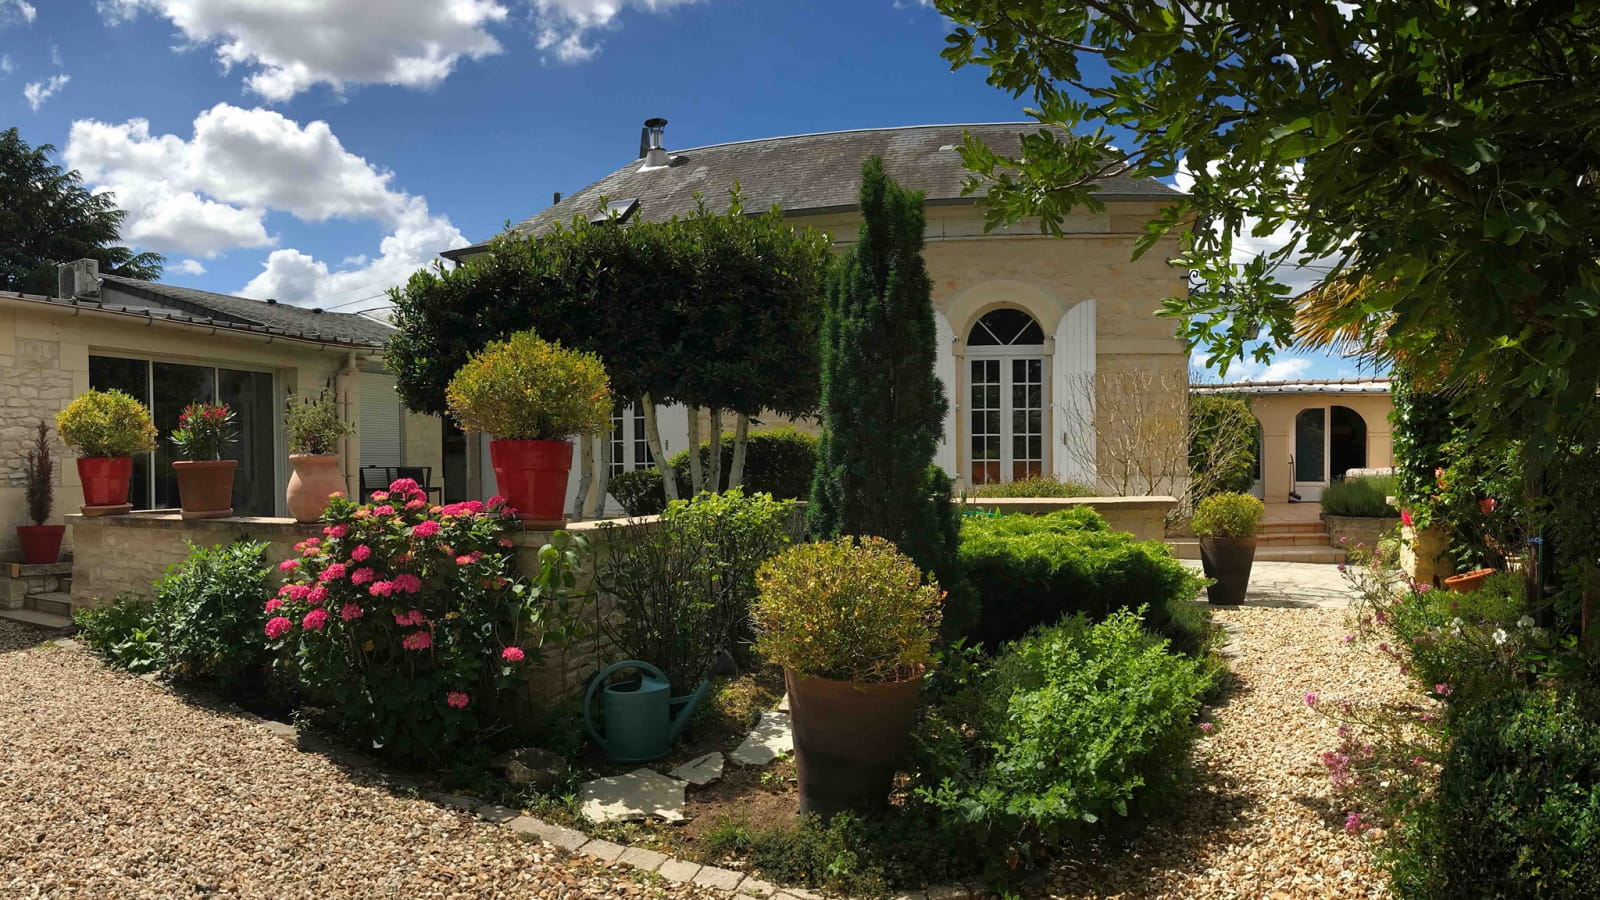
x=115, y=788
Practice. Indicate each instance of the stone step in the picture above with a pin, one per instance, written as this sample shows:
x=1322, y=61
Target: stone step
x=1296, y=539
x=37, y=618
x=1190, y=549
x=1293, y=527
x=55, y=603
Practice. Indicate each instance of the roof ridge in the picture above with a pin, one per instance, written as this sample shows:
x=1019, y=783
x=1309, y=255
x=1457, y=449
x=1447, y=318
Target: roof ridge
x=806, y=134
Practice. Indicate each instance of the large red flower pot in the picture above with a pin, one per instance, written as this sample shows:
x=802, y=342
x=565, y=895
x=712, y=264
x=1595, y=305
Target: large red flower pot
x=205, y=487
x=847, y=738
x=41, y=544
x=533, y=478
x=105, y=484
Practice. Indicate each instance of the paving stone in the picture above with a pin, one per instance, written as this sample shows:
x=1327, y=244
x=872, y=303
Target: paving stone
x=910, y=895
x=701, y=771
x=538, y=829
x=755, y=887
x=605, y=851
x=769, y=740
x=783, y=705
x=949, y=892
x=280, y=729
x=69, y=644
x=453, y=801
x=637, y=795
x=679, y=870
x=718, y=879
x=498, y=815
x=640, y=858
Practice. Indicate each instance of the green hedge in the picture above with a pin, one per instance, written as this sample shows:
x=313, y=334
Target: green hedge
x=1038, y=486
x=1034, y=570
x=1364, y=497
x=779, y=462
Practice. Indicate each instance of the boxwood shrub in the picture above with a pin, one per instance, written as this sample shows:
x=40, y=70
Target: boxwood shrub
x=1034, y=570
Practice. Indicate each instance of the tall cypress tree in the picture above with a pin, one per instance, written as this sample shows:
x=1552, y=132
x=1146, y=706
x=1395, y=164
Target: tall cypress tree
x=882, y=407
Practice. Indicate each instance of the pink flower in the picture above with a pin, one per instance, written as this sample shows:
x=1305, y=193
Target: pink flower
x=360, y=553
x=404, y=486
x=384, y=510
x=512, y=654
x=457, y=700
x=1311, y=700
x=297, y=591
x=414, y=505
x=336, y=531
x=317, y=596
x=315, y=619
x=1406, y=518
x=274, y=605
x=380, y=589
x=417, y=640
x=1355, y=824
x=363, y=513
x=362, y=576
x=1207, y=727
x=278, y=626
x=349, y=612
x=507, y=542
x=468, y=559
x=414, y=617
x=313, y=541
x=497, y=500
x=425, y=529
x=287, y=590
x=333, y=572
x=1444, y=689
x=380, y=496
x=289, y=565
x=407, y=583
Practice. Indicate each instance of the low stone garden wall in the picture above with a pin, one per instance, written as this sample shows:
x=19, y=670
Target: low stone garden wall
x=1354, y=530
x=1143, y=517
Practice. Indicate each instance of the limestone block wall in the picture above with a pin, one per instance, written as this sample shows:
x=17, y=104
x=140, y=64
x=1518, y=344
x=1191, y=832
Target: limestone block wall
x=36, y=388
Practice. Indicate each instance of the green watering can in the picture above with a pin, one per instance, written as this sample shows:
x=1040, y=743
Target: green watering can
x=639, y=714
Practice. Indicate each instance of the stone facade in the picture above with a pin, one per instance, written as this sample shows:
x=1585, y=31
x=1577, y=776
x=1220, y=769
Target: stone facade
x=36, y=389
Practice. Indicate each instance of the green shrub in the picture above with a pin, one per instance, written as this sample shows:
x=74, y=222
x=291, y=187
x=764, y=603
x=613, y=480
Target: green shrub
x=1076, y=726
x=1366, y=497
x=1224, y=444
x=106, y=423
x=1034, y=570
x=683, y=589
x=848, y=856
x=639, y=491
x=527, y=388
x=846, y=609
x=312, y=424
x=124, y=631
x=1517, y=809
x=779, y=461
x=1037, y=486
x=210, y=611
x=1228, y=515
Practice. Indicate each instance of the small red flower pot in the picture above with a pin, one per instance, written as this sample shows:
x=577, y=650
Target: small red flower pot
x=105, y=484
x=41, y=544
x=532, y=476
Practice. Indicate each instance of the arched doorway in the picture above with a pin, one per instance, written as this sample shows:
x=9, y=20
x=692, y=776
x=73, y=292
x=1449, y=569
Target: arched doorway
x=1008, y=398
x=1328, y=441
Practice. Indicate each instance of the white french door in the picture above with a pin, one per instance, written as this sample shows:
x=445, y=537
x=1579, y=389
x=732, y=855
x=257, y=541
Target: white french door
x=1311, y=452
x=1008, y=399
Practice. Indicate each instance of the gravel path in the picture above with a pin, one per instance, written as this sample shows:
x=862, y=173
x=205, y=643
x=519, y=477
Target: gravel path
x=1263, y=823
x=113, y=788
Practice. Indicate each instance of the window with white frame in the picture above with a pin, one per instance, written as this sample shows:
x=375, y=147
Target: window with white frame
x=630, y=448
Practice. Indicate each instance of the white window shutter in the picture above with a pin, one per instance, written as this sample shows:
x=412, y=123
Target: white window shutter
x=379, y=430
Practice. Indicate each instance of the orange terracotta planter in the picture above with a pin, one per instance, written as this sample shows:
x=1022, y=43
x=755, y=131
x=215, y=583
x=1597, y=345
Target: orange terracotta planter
x=205, y=487
x=315, y=477
x=1467, y=582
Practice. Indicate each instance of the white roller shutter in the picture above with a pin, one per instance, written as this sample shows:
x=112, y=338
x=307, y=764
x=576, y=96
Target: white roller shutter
x=379, y=431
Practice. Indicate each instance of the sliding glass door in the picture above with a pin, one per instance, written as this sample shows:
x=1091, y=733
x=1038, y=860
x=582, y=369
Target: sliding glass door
x=166, y=388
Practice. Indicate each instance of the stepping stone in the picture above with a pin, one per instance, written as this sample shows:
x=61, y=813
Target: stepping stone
x=771, y=739
x=637, y=795
x=783, y=705
x=700, y=772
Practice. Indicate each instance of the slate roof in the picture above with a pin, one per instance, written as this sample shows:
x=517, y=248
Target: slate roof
x=1303, y=386
x=812, y=173
x=256, y=315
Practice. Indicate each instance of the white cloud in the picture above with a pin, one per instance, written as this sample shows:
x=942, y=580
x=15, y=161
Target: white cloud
x=37, y=92
x=6, y=65
x=188, y=267
x=15, y=11
x=214, y=191
x=563, y=25
x=289, y=47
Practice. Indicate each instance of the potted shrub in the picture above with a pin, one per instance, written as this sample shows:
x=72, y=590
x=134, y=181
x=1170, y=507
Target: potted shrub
x=852, y=623
x=106, y=428
x=531, y=395
x=41, y=543
x=314, y=430
x=205, y=479
x=1226, y=525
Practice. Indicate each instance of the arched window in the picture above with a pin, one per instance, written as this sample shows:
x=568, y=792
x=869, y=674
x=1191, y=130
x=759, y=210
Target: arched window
x=1008, y=402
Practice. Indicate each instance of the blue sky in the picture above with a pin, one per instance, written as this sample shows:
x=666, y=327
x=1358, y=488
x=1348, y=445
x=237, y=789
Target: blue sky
x=319, y=156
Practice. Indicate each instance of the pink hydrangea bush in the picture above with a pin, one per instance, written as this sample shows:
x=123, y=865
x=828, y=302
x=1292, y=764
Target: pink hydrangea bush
x=410, y=622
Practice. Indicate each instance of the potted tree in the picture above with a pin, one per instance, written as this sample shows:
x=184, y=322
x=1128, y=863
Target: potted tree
x=531, y=395
x=205, y=479
x=41, y=543
x=106, y=428
x=1226, y=525
x=852, y=623
x=315, y=430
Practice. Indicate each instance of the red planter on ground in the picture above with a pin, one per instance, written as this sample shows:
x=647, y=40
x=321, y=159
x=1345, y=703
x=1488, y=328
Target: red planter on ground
x=532, y=476
x=105, y=483
x=41, y=544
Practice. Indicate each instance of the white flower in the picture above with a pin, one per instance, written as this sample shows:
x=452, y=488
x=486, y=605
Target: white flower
x=1500, y=636
x=1525, y=622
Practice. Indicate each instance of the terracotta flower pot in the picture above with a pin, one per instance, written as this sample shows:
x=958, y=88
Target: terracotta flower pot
x=41, y=544
x=315, y=477
x=105, y=484
x=1467, y=582
x=205, y=487
x=532, y=476
x=847, y=737
x=1227, y=561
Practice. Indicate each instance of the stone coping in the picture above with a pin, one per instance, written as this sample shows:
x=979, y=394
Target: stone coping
x=1051, y=504
x=596, y=530
x=741, y=884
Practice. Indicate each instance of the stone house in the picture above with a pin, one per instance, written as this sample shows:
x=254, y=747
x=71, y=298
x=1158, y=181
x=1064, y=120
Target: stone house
x=1030, y=326
x=169, y=346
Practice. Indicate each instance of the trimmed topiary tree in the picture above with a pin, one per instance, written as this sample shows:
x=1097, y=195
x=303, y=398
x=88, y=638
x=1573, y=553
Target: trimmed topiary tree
x=882, y=406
